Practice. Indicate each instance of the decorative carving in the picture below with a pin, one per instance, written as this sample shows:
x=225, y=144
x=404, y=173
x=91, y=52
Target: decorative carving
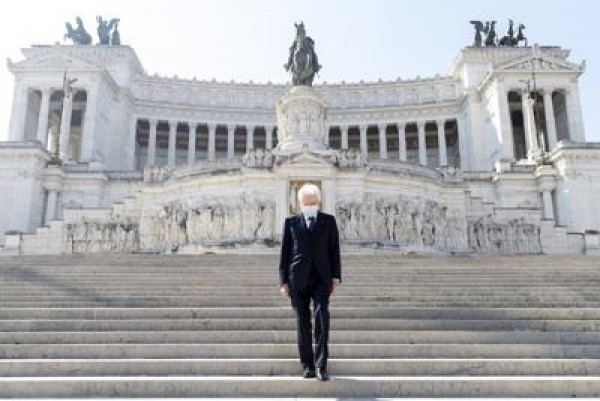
x=210, y=220
x=451, y=173
x=301, y=119
x=258, y=158
x=350, y=158
x=512, y=236
x=90, y=236
x=157, y=173
x=401, y=221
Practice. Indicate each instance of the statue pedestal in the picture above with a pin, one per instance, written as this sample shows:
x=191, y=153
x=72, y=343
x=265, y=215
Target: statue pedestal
x=301, y=121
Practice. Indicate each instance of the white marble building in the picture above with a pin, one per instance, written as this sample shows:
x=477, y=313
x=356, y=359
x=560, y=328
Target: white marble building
x=464, y=162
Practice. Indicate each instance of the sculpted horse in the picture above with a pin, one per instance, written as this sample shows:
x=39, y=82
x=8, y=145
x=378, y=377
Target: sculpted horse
x=79, y=35
x=302, y=60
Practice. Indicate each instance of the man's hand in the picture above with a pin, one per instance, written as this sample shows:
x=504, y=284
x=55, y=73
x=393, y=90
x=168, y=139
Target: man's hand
x=285, y=290
x=334, y=283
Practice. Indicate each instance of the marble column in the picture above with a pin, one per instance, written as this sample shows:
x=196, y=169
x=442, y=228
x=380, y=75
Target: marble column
x=151, y=157
x=230, y=141
x=550, y=120
x=249, y=137
x=422, y=143
x=51, y=205
x=192, y=143
x=268, y=137
x=327, y=133
x=65, y=126
x=442, y=150
x=382, y=141
x=131, y=144
x=363, y=140
x=42, y=131
x=574, y=116
x=504, y=124
x=89, y=124
x=16, y=131
x=212, y=131
x=463, y=145
x=344, y=131
x=401, y=141
x=530, y=128
x=172, y=145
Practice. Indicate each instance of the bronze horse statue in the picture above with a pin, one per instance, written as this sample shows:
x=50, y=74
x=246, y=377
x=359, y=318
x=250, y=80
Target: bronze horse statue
x=509, y=39
x=79, y=35
x=302, y=60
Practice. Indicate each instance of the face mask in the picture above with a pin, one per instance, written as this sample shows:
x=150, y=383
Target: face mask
x=310, y=210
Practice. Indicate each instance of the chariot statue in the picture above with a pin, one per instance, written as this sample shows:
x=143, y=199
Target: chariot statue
x=78, y=35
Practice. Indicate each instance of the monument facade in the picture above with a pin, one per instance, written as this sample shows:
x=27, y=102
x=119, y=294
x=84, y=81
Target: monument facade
x=489, y=158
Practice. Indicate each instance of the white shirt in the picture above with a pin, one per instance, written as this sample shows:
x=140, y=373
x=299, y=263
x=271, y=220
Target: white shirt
x=308, y=221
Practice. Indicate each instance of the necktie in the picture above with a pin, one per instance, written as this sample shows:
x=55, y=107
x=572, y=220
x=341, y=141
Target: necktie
x=311, y=222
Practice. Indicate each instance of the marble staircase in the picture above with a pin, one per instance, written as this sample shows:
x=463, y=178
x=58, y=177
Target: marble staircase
x=216, y=325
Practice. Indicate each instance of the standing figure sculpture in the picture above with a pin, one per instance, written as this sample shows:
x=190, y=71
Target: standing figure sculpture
x=79, y=35
x=302, y=60
x=104, y=28
x=115, y=39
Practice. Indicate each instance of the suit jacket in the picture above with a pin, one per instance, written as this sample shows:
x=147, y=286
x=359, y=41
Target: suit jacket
x=300, y=248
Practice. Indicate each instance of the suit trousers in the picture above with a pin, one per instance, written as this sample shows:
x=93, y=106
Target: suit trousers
x=319, y=292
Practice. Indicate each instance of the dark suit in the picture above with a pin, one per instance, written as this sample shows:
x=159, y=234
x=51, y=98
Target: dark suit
x=310, y=259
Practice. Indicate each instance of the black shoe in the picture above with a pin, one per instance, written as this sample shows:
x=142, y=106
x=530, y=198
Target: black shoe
x=309, y=373
x=322, y=374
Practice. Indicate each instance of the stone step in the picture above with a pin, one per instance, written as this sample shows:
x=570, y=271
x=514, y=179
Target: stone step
x=260, y=336
x=262, y=281
x=174, y=302
x=291, y=367
x=295, y=386
x=100, y=313
x=290, y=350
x=347, y=290
x=274, y=295
x=290, y=323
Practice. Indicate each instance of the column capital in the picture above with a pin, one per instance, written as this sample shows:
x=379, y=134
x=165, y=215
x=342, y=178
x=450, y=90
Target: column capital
x=194, y=124
x=173, y=123
x=440, y=122
x=152, y=121
x=231, y=126
x=363, y=127
x=421, y=123
x=45, y=89
x=382, y=125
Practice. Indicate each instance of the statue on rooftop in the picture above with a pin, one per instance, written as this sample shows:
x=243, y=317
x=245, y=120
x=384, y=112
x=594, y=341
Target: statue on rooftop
x=79, y=35
x=104, y=28
x=302, y=60
x=491, y=38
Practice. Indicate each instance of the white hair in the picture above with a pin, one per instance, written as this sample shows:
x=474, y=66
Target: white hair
x=309, y=189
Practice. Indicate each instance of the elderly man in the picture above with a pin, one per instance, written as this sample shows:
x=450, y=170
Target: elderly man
x=310, y=268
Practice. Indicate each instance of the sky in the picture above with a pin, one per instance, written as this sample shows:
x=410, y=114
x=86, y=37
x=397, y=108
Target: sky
x=248, y=40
